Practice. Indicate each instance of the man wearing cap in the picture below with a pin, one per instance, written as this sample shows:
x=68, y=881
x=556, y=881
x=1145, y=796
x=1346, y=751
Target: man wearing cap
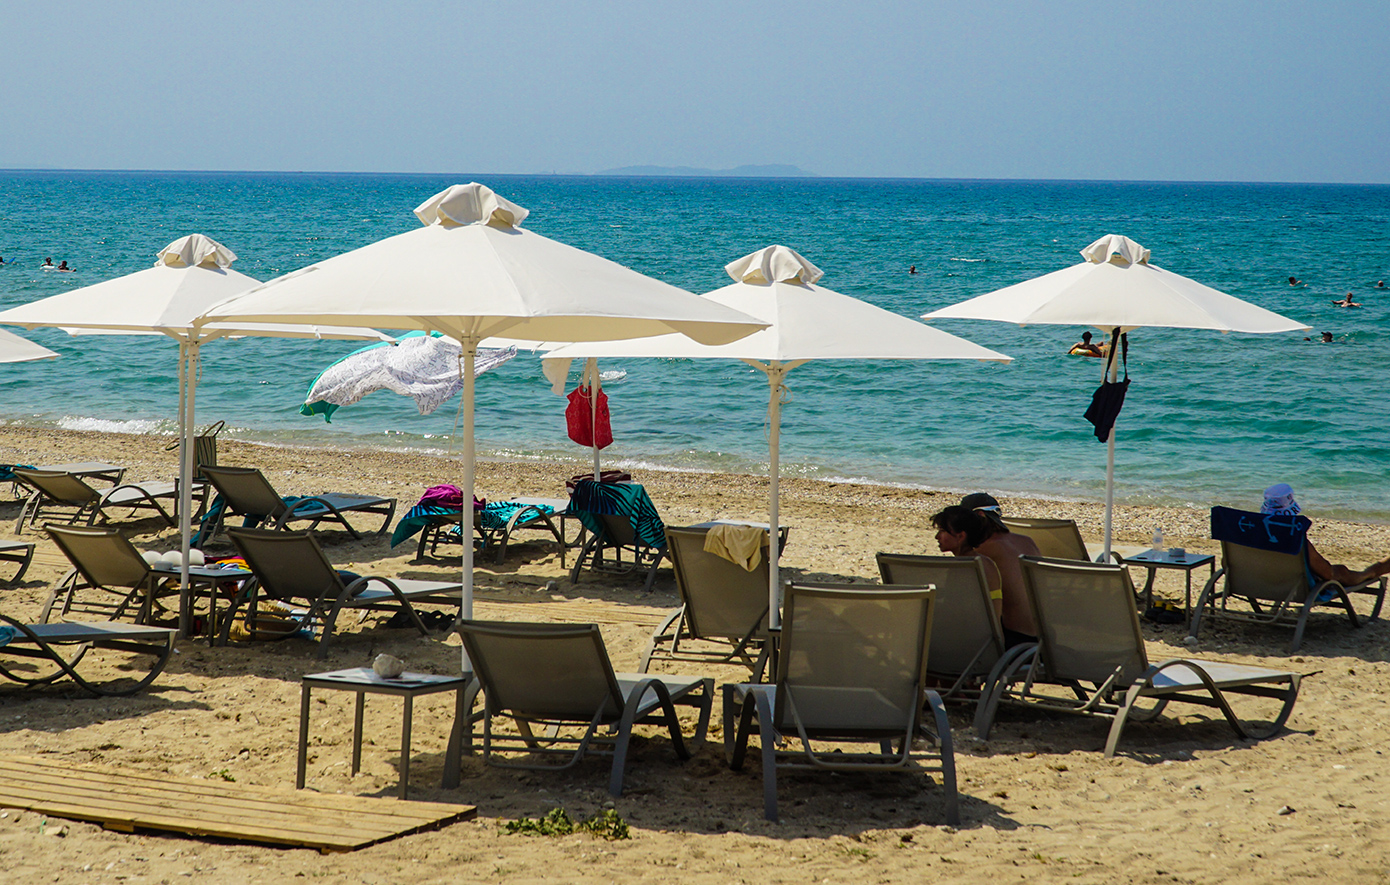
x=1279, y=501
x=1003, y=548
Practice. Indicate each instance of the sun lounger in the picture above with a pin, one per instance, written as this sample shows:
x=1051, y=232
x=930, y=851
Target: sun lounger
x=56, y=491
x=22, y=645
x=722, y=604
x=851, y=668
x=1090, y=659
x=19, y=552
x=966, y=636
x=493, y=526
x=247, y=493
x=109, y=580
x=558, y=676
x=620, y=519
x=1056, y=538
x=290, y=568
x=1264, y=564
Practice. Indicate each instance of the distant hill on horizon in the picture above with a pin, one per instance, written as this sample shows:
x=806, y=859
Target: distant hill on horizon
x=773, y=170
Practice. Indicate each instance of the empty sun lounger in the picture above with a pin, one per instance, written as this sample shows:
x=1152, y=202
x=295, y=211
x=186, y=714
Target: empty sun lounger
x=555, y=676
x=21, y=553
x=56, y=492
x=131, y=655
x=290, y=568
x=1056, y=538
x=1090, y=659
x=851, y=668
x=247, y=493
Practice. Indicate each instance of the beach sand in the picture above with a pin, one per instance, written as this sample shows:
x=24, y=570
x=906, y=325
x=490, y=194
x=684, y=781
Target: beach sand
x=1184, y=801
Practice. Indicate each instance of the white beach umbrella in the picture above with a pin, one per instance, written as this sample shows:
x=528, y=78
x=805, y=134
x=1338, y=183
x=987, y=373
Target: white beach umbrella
x=472, y=272
x=189, y=275
x=1116, y=290
x=14, y=349
x=805, y=322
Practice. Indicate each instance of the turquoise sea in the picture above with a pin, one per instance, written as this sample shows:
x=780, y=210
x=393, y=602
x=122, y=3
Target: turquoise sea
x=1209, y=419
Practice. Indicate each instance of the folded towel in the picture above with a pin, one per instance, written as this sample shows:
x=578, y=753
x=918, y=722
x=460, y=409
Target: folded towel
x=740, y=544
x=6, y=634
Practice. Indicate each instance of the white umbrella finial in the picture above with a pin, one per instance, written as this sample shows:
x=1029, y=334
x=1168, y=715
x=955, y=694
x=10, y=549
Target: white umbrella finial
x=1115, y=249
x=195, y=250
x=774, y=264
x=470, y=203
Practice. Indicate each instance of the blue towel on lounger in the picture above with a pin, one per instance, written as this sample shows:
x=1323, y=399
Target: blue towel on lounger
x=618, y=499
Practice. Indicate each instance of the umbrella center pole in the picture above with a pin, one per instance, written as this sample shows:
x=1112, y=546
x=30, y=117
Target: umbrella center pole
x=188, y=380
x=595, y=386
x=777, y=389
x=1112, y=375
x=467, y=363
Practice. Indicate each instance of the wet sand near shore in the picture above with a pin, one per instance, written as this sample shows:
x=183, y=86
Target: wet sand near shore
x=1184, y=801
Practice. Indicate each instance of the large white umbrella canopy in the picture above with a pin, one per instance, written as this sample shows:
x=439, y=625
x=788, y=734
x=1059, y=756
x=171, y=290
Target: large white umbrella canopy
x=189, y=275
x=1116, y=289
x=805, y=322
x=472, y=272
x=14, y=349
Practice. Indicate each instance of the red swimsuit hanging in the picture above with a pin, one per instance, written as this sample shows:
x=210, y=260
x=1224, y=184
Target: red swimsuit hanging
x=580, y=418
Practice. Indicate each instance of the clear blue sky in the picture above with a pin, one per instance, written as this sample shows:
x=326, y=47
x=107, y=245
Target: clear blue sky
x=1238, y=91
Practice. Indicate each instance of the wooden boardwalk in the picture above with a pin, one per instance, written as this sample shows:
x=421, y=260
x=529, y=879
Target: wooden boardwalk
x=127, y=800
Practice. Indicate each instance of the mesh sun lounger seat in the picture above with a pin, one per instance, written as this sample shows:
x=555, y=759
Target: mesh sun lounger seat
x=246, y=492
x=1056, y=538
x=851, y=668
x=559, y=676
x=966, y=636
x=722, y=604
x=620, y=518
x=109, y=579
x=1090, y=659
x=1264, y=564
x=61, y=493
x=34, y=654
x=290, y=568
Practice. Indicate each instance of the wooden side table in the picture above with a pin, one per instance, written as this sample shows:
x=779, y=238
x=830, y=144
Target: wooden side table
x=364, y=681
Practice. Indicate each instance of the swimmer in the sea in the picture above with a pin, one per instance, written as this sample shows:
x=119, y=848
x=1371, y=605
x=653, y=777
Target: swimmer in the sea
x=63, y=266
x=1084, y=347
x=48, y=262
x=1326, y=337
x=1380, y=284
x=1294, y=281
x=1346, y=302
x=912, y=269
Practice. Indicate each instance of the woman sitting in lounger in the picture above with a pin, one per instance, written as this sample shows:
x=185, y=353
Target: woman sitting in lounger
x=959, y=530
x=1279, y=501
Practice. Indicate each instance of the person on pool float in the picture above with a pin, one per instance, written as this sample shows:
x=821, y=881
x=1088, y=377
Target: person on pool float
x=1084, y=347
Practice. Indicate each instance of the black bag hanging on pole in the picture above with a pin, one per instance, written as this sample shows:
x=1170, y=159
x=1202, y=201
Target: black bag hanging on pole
x=1109, y=398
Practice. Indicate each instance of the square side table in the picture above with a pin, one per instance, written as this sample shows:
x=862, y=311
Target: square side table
x=364, y=681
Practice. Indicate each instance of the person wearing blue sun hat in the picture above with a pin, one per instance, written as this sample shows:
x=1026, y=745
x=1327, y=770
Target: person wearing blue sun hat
x=1279, y=501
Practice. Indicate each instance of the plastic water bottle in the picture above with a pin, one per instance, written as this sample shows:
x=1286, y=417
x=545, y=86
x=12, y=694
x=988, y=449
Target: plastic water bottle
x=1158, y=540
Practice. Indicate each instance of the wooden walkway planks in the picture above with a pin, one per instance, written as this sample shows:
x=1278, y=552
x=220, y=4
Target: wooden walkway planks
x=125, y=800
